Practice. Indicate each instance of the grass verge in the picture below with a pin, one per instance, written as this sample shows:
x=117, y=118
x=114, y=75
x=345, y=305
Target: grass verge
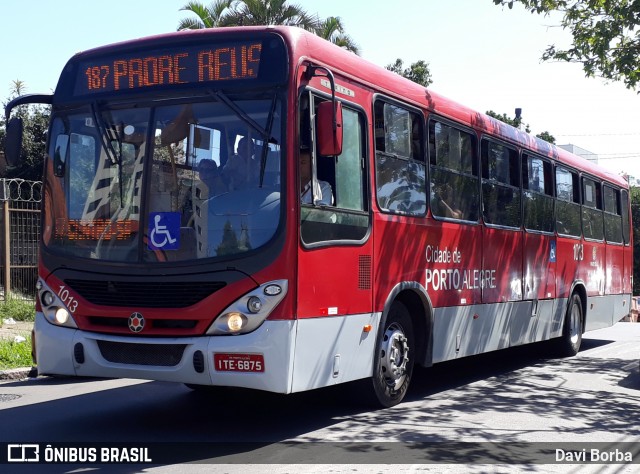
x=19, y=310
x=14, y=354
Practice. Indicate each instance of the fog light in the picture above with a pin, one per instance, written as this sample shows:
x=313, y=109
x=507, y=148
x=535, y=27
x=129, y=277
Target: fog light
x=47, y=298
x=254, y=305
x=62, y=316
x=234, y=322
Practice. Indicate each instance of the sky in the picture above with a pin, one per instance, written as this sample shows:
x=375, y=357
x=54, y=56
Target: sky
x=484, y=56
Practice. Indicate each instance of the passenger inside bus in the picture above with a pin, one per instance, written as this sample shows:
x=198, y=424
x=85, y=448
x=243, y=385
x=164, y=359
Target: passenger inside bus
x=322, y=194
x=443, y=200
x=242, y=169
x=211, y=178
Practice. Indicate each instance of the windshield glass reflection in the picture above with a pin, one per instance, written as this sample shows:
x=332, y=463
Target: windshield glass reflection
x=173, y=183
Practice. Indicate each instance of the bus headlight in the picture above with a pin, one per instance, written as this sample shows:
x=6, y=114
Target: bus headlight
x=54, y=310
x=62, y=316
x=249, y=311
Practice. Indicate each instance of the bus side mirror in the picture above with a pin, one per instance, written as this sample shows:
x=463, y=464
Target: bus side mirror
x=13, y=142
x=330, y=128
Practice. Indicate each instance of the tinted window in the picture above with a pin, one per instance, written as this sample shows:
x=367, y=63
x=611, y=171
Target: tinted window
x=500, y=184
x=568, y=203
x=537, y=194
x=400, y=163
x=454, y=175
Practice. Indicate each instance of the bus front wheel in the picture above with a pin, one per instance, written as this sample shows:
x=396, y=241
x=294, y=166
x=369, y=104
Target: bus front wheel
x=569, y=343
x=394, y=357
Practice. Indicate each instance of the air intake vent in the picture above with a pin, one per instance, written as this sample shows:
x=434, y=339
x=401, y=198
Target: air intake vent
x=198, y=361
x=364, y=272
x=165, y=355
x=144, y=294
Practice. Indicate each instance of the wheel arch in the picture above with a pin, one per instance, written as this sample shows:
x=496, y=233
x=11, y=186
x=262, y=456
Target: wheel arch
x=413, y=295
x=580, y=289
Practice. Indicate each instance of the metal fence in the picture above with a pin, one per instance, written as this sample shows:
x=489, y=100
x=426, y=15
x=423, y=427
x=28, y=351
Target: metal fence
x=19, y=237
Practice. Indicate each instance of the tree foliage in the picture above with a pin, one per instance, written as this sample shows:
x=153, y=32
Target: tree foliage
x=247, y=13
x=418, y=72
x=515, y=122
x=332, y=29
x=36, y=122
x=265, y=12
x=547, y=137
x=605, y=40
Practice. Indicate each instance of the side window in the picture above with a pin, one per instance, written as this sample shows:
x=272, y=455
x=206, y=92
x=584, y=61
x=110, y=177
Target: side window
x=626, y=224
x=537, y=184
x=592, y=219
x=332, y=188
x=500, y=184
x=612, y=215
x=568, y=203
x=454, y=173
x=400, y=163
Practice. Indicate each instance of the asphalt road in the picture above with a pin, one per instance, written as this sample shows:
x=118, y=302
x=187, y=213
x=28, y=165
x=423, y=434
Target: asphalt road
x=482, y=414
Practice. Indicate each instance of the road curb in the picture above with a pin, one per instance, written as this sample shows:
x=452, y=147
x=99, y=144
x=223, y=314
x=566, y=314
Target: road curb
x=18, y=374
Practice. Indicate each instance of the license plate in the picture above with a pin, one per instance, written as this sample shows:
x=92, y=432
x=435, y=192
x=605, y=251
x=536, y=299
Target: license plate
x=238, y=362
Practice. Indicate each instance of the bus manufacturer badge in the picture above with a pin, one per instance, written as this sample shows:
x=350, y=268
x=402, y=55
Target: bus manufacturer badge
x=136, y=322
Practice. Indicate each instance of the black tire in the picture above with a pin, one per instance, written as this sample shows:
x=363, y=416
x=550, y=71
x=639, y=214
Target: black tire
x=394, y=357
x=568, y=344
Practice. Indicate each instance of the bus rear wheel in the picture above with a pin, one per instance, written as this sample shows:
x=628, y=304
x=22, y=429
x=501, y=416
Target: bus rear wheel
x=394, y=359
x=568, y=344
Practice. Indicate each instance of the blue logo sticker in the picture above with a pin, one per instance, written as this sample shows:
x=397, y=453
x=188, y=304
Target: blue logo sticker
x=552, y=252
x=164, y=231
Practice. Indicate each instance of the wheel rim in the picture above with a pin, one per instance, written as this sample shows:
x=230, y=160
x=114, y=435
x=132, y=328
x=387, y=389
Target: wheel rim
x=574, y=326
x=394, y=356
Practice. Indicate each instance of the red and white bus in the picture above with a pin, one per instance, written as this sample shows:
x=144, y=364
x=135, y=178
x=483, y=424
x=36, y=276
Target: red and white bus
x=256, y=207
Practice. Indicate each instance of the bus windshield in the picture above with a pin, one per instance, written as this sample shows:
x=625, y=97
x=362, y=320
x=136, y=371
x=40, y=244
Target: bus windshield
x=165, y=183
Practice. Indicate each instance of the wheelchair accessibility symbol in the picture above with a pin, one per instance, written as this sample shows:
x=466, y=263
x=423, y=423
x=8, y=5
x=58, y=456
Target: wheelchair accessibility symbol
x=164, y=231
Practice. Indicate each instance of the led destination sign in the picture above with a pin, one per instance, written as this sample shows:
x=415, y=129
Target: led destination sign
x=174, y=66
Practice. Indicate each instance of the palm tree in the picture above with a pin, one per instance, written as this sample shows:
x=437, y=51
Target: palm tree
x=332, y=30
x=270, y=12
x=208, y=17
x=247, y=13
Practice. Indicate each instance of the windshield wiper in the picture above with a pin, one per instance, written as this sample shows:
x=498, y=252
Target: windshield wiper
x=265, y=147
x=264, y=133
x=222, y=97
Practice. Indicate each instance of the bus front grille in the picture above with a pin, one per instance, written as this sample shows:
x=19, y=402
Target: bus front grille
x=166, y=355
x=144, y=294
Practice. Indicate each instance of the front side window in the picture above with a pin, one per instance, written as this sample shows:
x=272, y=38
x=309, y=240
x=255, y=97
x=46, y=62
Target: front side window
x=332, y=188
x=179, y=182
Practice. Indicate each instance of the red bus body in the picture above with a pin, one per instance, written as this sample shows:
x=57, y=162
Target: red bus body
x=469, y=285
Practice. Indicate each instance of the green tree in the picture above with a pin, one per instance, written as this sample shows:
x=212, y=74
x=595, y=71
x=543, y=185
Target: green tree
x=247, y=13
x=332, y=29
x=515, y=122
x=605, y=40
x=206, y=17
x=35, y=122
x=547, y=137
x=418, y=72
